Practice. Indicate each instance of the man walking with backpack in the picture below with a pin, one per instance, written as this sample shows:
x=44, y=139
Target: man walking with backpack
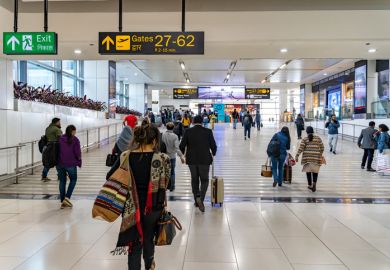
x=247, y=121
x=53, y=133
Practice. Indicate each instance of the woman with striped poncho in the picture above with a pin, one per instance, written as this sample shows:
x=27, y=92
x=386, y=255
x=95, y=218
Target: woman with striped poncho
x=312, y=150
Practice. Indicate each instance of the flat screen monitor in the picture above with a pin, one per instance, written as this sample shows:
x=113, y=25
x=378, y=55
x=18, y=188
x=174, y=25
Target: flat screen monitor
x=221, y=92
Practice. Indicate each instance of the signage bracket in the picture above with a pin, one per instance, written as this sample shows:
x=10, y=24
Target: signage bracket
x=120, y=16
x=45, y=17
x=16, y=13
x=183, y=15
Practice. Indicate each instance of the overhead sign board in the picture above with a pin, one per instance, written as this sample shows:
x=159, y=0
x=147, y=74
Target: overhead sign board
x=29, y=43
x=257, y=93
x=160, y=43
x=185, y=93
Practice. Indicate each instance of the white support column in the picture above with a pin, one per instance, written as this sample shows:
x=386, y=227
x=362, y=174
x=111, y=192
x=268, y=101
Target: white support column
x=137, y=97
x=282, y=102
x=372, y=84
x=6, y=85
x=308, y=99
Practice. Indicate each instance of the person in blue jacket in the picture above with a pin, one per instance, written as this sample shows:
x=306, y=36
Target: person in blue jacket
x=278, y=162
x=333, y=133
x=382, y=138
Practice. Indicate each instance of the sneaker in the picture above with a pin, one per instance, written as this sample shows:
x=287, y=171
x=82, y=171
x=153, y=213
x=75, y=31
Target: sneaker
x=331, y=150
x=362, y=167
x=334, y=152
x=245, y=137
x=274, y=184
x=280, y=185
x=45, y=179
x=200, y=204
x=371, y=170
x=67, y=203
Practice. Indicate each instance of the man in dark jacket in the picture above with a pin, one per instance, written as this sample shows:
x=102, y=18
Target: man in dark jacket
x=53, y=133
x=333, y=133
x=367, y=142
x=248, y=122
x=199, y=146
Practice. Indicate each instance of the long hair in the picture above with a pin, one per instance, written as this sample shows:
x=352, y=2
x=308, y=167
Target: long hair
x=310, y=132
x=146, y=134
x=68, y=132
x=286, y=132
x=384, y=128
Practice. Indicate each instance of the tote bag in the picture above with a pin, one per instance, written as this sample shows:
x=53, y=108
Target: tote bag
x=111, y=199
x=266, y=169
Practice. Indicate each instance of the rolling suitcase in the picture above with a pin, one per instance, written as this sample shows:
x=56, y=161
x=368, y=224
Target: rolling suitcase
x=217, y=189
x=287, y=175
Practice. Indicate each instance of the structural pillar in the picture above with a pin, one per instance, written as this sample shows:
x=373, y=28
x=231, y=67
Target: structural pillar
x=6, y=85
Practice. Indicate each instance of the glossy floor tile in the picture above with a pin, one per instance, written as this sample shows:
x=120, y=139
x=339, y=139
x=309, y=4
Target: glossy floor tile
x=238, y=236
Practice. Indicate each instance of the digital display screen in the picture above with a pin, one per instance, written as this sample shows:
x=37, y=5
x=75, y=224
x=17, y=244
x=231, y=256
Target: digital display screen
x=257, y=93
x=221, y=92
x=334, y=100
x=185, y=93
x=360, y=100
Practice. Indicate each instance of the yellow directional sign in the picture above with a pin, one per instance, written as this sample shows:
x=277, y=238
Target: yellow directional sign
x=137, y=43
x=257, y=93
x=107, y=41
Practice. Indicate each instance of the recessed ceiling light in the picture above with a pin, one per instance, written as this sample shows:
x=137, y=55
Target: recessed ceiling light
x=284, y=50
x=228, y=76
x=325, y=74
x=263, y=81
x=136, y=74
x=188, y=80
x=77, y=51
x=283, y=66
x=183, y=67
x=372, y=50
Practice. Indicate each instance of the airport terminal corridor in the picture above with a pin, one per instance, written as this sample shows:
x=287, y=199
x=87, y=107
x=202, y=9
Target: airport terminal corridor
x=239, y=163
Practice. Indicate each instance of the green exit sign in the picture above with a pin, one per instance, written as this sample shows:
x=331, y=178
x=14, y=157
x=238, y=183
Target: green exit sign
x=29, y=43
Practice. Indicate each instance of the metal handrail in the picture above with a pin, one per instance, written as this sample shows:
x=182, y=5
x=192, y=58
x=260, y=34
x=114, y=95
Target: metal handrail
x=20, y=171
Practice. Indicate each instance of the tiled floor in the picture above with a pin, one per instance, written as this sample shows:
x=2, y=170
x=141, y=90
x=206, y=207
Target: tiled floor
x=239, y=163
x=37, y=235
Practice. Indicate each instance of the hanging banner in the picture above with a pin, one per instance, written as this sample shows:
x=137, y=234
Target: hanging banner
x=138, y=43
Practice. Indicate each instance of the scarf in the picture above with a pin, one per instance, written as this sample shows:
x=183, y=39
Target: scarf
x=131, y=233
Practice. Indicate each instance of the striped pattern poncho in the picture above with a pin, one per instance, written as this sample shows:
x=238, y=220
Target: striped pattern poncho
x=311, y=151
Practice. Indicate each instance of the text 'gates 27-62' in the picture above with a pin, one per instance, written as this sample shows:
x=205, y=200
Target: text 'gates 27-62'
x=133, y=43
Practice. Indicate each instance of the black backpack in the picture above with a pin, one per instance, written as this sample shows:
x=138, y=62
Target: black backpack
x=42, y=143
x=247, y=120
x=50, y=155
x=178, y=129
x=273, y=149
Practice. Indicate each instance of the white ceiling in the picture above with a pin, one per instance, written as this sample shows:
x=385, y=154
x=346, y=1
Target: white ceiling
x=213, y=72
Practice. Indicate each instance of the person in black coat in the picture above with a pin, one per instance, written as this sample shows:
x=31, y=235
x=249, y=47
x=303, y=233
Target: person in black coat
x=198, y=144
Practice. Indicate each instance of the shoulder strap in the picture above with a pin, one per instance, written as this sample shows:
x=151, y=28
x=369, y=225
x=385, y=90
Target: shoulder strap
x=124, y=158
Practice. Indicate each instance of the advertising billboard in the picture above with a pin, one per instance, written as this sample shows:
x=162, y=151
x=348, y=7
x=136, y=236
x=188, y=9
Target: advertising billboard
x=360, y=97
x=334, y=100
x=221, y=92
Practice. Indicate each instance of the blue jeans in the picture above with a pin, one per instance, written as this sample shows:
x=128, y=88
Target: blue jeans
x=72, y=173
x=277, y=168
x=45, y=172
x=171, y=185
x=235, y=123
x=247, y=130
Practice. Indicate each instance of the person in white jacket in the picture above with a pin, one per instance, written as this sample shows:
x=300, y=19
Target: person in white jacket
x=172, y=144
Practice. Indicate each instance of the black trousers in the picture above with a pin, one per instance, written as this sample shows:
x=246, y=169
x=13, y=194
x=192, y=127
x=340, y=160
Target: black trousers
x=368, y=154
x=149, y=224
x=299, y=130
x=199, y=180
x=311, y=177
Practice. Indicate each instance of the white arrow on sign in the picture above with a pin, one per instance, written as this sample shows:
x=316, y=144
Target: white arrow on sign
x=14, y=41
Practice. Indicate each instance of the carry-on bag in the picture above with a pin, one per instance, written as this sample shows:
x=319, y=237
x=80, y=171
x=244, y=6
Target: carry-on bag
x=217, y=189
x=266, y=169
x=287, y=175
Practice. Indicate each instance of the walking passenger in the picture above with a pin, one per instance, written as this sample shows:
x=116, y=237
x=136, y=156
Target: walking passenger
x=172, y=144
x=68, y=160
x=53, y=132
x=186, y=121
x=300, y=123
x=213, y=119
x=280, y=143
x=124, y=140
x=367, y=142
x=247, y=121
x=383, y=139
x=179, y=128
x=258, y=119
x=312, y=150
x=144, y=203
x=235, y=117
x=199, y=145
x=333, y=133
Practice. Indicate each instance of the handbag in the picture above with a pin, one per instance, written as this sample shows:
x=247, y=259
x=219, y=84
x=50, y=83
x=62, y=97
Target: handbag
x=166, y=228
x=111, y=199
x=266, y=169
x=111, y=159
